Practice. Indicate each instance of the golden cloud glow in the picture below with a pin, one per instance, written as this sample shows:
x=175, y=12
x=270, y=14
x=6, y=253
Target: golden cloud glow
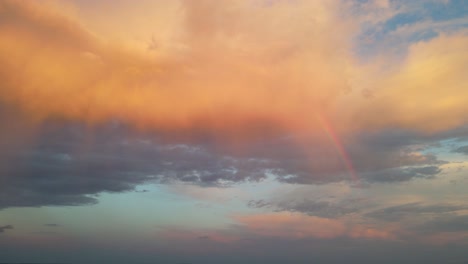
x=238, y=68
x=428, y=92
x=232, y=69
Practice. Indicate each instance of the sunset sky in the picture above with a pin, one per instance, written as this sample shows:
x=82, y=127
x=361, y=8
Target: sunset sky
x=234, y=131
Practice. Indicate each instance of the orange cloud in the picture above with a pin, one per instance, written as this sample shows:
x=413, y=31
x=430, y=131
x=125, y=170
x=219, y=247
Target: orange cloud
x=427, y=92
x=239, y=69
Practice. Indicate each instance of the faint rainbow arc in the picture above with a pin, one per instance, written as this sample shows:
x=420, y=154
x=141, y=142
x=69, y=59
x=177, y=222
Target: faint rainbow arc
x=339, y=147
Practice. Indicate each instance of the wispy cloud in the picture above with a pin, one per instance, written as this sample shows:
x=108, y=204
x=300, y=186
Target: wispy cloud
x=462, y=149
x=399, y=212
x=5, y=227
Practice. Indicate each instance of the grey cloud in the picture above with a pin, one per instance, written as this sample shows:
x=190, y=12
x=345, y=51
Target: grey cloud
x=258, y=204
x=319, y=208
x=20, y=198
x=389, y=175
x=399, y=212
x=387, y=156
x=325, y=209
x=428, y=170
x=463, y=150
x=70, y=163
x=62, y=169
x=5, y=227
x=402, y=174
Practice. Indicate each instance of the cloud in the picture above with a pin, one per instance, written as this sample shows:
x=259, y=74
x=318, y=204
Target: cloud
x=388, y=28
x=307, y=250
x=410, y=210
x=462, y=149
x=323, y=209
x=69, y=166
x=258, y=204
x=402, y=174
x=5, y=227
x=70, y=163
x=299, y=226
x=371, y=161
x=449, y=223
x=233, y=92
x=219, y=107
x=61, y=69
x=411, y=96
x=279, y=226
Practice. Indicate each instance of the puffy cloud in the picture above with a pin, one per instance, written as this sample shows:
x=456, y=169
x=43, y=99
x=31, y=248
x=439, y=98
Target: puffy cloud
x=52, y=66
x=426, y=92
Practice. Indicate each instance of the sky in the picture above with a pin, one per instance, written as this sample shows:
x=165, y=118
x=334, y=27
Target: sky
x=234, y=131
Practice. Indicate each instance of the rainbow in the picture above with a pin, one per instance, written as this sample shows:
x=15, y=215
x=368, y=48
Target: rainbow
x=339, y=147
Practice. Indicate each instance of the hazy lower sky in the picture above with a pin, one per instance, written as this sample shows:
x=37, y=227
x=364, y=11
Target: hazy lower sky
x=225, y=131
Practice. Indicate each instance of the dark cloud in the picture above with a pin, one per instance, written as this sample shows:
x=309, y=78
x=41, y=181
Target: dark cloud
x=70, y=163
x=5, y=227
x=66, y=165
x=20, y=198
x=384, y=156
x=390, y=149
x=399, y=212
x=402, y=174
x=463, y=150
